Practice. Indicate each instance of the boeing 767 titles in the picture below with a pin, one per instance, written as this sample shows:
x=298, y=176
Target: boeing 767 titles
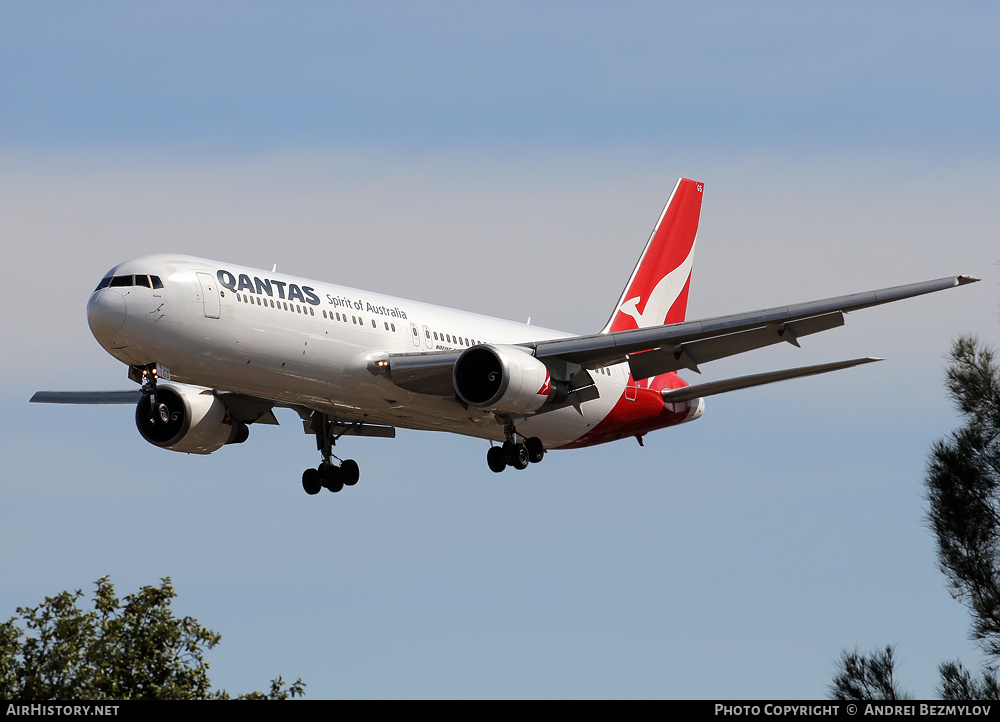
x=216, y=346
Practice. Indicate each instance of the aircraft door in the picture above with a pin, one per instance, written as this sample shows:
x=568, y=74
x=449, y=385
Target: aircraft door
x=428, y=342
x=210, y=295
x=416, y=334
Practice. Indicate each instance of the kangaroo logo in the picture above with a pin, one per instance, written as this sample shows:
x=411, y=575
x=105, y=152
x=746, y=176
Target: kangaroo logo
x=546, y=385
x=661, y=298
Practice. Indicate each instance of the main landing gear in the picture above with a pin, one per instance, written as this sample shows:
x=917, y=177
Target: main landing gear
x=328, y=475
x=514, y=453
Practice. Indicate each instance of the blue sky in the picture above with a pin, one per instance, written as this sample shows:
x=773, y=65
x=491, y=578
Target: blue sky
x=509, y=159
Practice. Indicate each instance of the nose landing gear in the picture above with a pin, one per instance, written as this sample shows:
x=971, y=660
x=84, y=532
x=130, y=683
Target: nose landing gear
x=146, y=376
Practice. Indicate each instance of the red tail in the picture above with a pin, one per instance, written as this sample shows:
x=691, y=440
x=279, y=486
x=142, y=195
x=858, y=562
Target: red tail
x=657, y=292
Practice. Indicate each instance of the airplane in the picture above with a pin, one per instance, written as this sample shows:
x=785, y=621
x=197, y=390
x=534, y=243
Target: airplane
x=216, y=347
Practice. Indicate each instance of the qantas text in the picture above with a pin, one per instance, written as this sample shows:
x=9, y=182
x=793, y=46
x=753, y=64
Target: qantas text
x=302, y=294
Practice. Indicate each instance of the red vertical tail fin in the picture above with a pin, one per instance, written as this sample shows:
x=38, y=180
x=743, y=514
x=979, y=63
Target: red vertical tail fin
x=657, y=292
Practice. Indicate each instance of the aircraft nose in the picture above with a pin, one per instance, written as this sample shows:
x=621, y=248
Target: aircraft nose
x=105, y=314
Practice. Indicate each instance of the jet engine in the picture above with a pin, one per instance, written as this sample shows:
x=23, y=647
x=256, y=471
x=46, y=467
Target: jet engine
x=188, y=419
x=504, y=379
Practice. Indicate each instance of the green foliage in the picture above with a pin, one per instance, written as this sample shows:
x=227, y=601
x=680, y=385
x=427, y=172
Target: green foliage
x=963, y=489
x=957, y=683
x=963, y=494
x=134, y=648
x=869, y=676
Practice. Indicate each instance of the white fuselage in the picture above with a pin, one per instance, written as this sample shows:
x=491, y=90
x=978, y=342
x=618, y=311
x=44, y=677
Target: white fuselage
x=302, y=342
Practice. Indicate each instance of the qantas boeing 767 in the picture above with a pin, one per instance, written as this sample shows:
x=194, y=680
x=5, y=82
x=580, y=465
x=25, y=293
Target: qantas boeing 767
x=217, y=346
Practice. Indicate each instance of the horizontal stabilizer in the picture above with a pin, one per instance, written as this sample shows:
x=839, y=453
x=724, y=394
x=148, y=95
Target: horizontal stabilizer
x=86, y=397
x=687, y=393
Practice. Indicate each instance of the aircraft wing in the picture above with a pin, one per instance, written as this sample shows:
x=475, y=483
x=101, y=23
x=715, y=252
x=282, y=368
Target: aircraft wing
x=248, y=409
x=86, y=397
x=661, y=349
x=426, y=372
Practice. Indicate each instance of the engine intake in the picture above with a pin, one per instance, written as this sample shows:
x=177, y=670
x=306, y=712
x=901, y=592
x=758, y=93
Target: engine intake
x=187, y=419
x=505, y=379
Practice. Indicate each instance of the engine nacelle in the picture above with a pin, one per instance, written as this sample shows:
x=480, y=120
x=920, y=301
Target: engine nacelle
x=505, y=379
x=188, y=419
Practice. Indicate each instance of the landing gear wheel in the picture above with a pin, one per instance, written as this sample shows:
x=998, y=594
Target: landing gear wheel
x=535, y=449
x=350, y=472
x=330, y=477
x=516, y=455
x=495, y=459
x=311, y=482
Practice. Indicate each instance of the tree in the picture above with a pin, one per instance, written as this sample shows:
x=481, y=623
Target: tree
x=963, y=494
x=133, y=648
x=867, y=677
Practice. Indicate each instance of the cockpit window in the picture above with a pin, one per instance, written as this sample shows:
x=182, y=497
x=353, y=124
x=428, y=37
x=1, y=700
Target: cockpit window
x=136, y=280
